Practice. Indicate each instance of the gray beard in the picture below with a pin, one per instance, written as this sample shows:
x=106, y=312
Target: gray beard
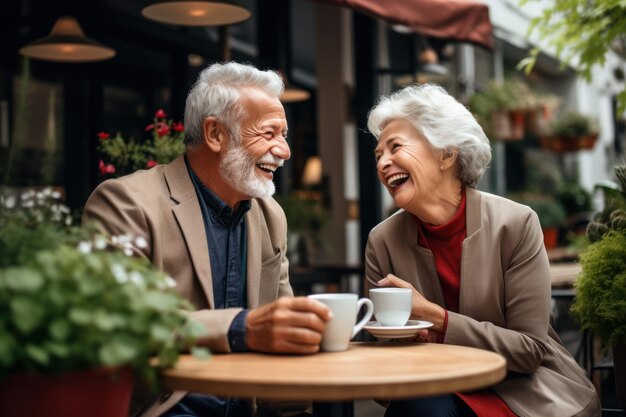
x=238, y=169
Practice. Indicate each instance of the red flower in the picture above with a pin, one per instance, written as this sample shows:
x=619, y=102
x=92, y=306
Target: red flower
x=160, y=114
x=151, y=163
x=103, y=135
x=178, y=127
x=163, y=129
x=106, y=169
x=149, y=127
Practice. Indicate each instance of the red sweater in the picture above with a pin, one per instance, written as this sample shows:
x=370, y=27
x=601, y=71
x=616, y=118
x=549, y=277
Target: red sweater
x=446, y=244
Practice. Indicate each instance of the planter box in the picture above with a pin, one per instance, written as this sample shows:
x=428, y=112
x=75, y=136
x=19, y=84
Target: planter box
x=100, y=392
x=560, y=144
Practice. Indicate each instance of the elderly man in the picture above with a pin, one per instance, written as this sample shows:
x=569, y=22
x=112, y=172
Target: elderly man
x=211, y=223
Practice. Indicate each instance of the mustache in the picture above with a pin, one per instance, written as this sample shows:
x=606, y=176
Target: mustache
x=268, y=158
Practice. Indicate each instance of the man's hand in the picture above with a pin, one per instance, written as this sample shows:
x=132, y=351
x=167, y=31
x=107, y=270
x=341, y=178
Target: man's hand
x=288, y=325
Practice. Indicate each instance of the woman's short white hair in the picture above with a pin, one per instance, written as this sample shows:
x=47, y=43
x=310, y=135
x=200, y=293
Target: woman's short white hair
x=442, y=121
x=216, y=93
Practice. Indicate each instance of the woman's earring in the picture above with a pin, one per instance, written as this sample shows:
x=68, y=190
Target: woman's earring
x=441, y=167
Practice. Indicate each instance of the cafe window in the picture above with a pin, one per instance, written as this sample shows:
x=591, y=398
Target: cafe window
x=32, y=144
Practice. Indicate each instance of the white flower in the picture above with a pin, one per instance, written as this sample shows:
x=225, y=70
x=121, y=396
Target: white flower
x=100, y=242
x=56, y=195
x=27, y=195
x=48, y=192
x=68, y=220
x=10, y=201
x=137, y=279
x=128, y=252
x=27, y=203
x=141, y=242
x=170, y=282
x=123, y=239
x=84, y=247
x=119, y=273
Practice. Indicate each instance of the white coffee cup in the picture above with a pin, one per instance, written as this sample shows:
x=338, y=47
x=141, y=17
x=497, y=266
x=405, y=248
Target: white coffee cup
x=392, y=306
x=341, y=328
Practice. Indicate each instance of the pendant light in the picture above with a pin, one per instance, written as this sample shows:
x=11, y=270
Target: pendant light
x=67, y=43
x=196, y=13
x=293, y=94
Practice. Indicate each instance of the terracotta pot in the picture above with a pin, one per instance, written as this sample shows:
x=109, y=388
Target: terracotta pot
x=500, y=125
x=550, y=237
x=101, y=392
x=538, y=121
x=619, y=361
x=587, y=142
x=560, y=144
x=517, y=124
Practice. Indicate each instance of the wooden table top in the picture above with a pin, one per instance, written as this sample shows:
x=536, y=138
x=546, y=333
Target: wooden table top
x=365, y=370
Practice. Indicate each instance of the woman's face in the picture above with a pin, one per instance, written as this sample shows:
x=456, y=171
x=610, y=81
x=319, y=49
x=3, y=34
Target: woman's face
x=407, y=165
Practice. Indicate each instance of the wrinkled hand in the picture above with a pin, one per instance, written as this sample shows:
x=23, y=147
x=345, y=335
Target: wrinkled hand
x=288, y=325
x=421, y=308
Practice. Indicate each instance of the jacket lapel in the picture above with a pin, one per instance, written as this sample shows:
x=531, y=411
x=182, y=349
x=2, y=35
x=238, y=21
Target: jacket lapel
x=471, y=248
x=253, y=270
x=189, y=217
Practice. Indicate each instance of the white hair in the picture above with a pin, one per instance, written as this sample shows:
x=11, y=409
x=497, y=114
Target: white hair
x=216, y=93
x=442, y=121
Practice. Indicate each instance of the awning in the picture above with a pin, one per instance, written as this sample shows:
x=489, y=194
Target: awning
x=460, y=20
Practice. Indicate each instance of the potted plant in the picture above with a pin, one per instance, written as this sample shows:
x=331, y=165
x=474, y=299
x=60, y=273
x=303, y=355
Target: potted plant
x=571, y=131
x=501, y=108
x=540, y=117
x=125, y=156
x=306, y=217
x=78, y=316
x=600, y=302
x=551, y=215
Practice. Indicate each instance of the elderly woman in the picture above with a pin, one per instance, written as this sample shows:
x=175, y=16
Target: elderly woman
x=475, y=261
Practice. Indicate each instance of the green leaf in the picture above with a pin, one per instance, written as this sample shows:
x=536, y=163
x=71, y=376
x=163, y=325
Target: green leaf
x=161, y=301
x=118, y=351
x=27, y=313
x=107, y=321
x=22, y=279
x=80, y=315
x=60, y=329
x=201, y=353
x=60, y=350
x=37, y=354
x=160, y=332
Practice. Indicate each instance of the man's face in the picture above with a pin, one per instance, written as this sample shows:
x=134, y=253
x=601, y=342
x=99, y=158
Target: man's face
x=249, y=163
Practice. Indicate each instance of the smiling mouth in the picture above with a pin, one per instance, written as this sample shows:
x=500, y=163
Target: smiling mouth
x=267, y=167
x=397, y=180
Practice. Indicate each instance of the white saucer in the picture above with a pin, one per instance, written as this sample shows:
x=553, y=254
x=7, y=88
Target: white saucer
x=410, y=329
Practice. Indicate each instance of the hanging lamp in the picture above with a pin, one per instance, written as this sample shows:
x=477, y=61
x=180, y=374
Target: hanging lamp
x=292, y=94
x=196, y=13
x=67, y=43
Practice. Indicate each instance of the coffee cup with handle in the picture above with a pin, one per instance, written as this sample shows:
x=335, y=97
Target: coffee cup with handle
x=392, y=306
x=342, y=328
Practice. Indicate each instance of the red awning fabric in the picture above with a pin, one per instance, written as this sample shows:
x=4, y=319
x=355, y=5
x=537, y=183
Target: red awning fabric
x=460, y=20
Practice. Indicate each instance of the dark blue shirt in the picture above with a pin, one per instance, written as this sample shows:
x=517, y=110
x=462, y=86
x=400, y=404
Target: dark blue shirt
x=227, y=241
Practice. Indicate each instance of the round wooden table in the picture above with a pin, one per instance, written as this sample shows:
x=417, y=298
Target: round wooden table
x=365, y=370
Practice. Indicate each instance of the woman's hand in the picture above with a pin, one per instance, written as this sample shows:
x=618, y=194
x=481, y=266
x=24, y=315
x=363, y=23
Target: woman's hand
x=421, y=309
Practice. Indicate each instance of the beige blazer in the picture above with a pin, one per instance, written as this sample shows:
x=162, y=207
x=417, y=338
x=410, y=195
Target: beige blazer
x=161, y=205
x=504, y=301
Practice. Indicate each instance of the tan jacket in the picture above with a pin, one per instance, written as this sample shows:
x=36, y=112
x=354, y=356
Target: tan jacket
x=504, y=301
x=161, y=205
